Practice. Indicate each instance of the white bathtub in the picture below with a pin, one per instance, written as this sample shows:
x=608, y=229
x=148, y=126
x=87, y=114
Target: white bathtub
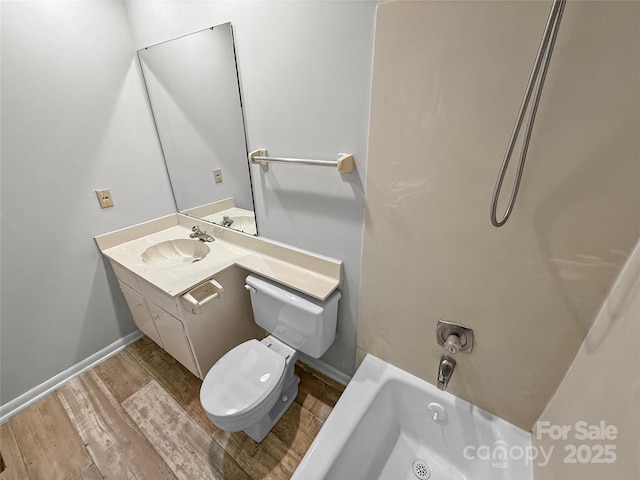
x=382, y=428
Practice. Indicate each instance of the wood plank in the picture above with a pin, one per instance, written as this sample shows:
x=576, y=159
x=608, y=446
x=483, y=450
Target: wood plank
x=315, y=395
x=50, y=446
x=321, y=377
x=259, y=460
x=177, y=435
x=181, y=384
x=123, y=374
x=91, y=473
x=186, y=448
x=266, y=460
x=117, y=447
x=281, y=451
x=297, y=429
x=13, y=467
x=279, y=454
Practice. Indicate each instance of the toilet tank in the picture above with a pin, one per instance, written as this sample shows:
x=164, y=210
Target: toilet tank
x=302, y=322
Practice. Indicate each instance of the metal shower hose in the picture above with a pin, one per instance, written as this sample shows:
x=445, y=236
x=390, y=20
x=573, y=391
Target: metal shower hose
x=544, y=55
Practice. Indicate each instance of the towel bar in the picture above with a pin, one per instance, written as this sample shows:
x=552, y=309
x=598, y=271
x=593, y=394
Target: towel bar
x=345, y=161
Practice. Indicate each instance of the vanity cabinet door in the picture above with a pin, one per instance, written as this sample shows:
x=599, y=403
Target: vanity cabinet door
x=140, y=312
x=174, y=338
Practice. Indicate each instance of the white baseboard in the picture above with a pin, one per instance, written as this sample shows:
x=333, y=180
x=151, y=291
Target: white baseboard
x=326, y=369
x=16, y=405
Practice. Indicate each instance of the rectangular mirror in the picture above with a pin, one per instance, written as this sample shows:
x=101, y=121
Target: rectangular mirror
x=193, y=88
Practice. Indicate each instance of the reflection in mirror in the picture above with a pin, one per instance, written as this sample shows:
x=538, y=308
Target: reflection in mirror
x=192, y=84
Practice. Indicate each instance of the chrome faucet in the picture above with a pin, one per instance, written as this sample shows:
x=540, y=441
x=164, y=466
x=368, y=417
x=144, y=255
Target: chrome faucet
x=226, y=221
x=200, y=234
x=445, y=371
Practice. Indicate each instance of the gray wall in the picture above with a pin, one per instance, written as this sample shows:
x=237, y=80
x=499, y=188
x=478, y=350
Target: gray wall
x=74, y=119
x=305, y=73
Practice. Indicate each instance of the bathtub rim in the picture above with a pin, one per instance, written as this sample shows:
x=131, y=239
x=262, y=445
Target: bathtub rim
x=351, y=408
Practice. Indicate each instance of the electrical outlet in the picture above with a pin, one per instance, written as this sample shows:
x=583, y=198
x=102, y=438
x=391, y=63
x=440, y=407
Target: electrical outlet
x=217, y=173
x=104, y=197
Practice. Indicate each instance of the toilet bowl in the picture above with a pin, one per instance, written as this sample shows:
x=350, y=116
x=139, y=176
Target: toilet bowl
x=247, y=383
x=251, y=386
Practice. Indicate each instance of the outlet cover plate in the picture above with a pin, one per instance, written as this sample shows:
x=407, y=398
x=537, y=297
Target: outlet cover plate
x=104, y=198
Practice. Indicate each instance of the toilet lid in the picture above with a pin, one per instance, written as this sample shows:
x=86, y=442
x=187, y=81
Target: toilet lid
x=241, y=379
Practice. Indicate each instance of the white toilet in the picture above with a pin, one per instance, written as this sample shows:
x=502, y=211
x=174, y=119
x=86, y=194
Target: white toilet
x=251, y=386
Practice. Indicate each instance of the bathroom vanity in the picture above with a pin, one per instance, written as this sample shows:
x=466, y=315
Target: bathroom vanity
x=195, y=339
x=189, y=296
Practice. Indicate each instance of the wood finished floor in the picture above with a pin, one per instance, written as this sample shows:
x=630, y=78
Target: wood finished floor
x=138, y=416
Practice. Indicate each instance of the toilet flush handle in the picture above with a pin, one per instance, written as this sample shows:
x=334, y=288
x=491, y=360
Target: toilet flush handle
x=250, y=288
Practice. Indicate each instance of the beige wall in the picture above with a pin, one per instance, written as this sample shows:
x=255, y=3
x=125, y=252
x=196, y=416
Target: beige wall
x=448, y=78
x=602, y=384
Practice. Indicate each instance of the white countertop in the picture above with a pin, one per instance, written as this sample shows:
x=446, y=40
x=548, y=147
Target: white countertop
x=313, y=275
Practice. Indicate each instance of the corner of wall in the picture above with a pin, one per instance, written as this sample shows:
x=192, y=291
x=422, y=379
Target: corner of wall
x=600, y=393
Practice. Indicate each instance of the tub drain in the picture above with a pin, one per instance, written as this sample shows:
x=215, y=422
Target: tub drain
x=421, y=469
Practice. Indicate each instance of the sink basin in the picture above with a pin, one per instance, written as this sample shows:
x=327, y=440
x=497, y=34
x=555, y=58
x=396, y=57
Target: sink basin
x=173, y=253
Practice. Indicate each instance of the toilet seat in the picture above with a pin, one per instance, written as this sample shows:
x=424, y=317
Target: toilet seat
x=243, y=386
